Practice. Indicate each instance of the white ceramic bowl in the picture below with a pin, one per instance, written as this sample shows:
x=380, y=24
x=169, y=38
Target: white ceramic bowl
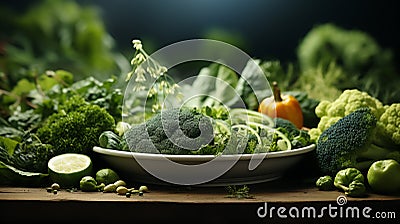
x=265, y=167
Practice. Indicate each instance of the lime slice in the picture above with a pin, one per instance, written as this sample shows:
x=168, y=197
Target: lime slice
x=68, y=169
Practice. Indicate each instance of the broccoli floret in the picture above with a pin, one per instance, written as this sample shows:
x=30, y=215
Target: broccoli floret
x=349, y=101
x=172, y=131
x=76, y=127
x=325, y=183
x=298, y=138
x=281, y=123
x=348, y=143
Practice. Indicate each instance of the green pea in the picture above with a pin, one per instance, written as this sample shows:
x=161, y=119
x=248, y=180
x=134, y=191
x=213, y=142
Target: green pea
x=143, y=188
x=55, y=186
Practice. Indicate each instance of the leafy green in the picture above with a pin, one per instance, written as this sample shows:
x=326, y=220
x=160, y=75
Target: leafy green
x=218, y=85
x=56, y=34
x=212, y=86
x=43, y=101
x=9, y=175
x=361, y=62
x=275, y=70
x=8, y=131
x=251, y=87
x=101, y=93
x=32, y=155
x=23, y=163
x=321, y=83
x=308, y=106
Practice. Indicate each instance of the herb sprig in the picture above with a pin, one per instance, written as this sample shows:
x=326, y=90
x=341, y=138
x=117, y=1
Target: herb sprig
x=148, y=75
x=239, y=192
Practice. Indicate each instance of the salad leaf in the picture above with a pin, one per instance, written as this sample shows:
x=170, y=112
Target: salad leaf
x=218, y=85
x=10, y=175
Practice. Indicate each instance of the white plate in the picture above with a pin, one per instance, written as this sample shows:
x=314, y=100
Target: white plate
x=243, y=168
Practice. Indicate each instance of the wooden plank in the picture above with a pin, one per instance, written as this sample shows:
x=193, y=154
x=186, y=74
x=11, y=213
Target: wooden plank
x=181, y=205
x=186, y=195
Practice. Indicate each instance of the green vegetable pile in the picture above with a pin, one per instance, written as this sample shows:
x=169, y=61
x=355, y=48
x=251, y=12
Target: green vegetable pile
x=60, y=93
x=57, y=116
x=76, y=127
x=207, y=131
x=346, y=59
x=355, y=141
x=358, y=132
x=349, y=180
x=49, y=35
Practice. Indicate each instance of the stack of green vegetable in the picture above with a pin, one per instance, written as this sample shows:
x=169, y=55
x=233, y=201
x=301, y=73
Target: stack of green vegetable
x=337, y=80
x=56, y=117
x=356, y=131
x=52, y=35
x=207, y=131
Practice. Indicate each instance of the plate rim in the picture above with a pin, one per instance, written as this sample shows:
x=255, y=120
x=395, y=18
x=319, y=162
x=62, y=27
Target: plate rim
x=191, y=158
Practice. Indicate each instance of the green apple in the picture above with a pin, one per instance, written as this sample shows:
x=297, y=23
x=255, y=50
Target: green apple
x=384, y=176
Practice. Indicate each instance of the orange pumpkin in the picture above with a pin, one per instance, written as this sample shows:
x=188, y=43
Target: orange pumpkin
x=283, y=106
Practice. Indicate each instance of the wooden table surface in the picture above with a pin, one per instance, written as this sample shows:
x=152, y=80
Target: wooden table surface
x=181, y=203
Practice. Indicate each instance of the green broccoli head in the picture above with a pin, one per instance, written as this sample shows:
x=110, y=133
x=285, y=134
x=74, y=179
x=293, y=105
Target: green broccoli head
x=287, y=125
x=76, y=127
x=339, y=145
x=172, y=131
x=388, y=131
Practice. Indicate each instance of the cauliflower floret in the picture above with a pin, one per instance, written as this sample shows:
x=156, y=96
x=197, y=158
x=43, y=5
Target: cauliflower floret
x=357, y=99
x=388, y=126
x=321, y=108
x=349, y=101
x=353, y=99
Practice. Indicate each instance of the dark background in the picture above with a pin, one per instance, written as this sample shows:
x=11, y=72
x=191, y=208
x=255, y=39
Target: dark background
x=268, y=29
x=262, y=28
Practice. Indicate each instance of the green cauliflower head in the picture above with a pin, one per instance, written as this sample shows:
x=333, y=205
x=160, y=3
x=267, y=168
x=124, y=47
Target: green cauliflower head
x=388, y=127
x=349, y=101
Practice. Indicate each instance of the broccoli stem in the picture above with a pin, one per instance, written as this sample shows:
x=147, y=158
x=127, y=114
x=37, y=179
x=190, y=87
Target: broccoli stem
x=374, y=152
x=370, y=154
